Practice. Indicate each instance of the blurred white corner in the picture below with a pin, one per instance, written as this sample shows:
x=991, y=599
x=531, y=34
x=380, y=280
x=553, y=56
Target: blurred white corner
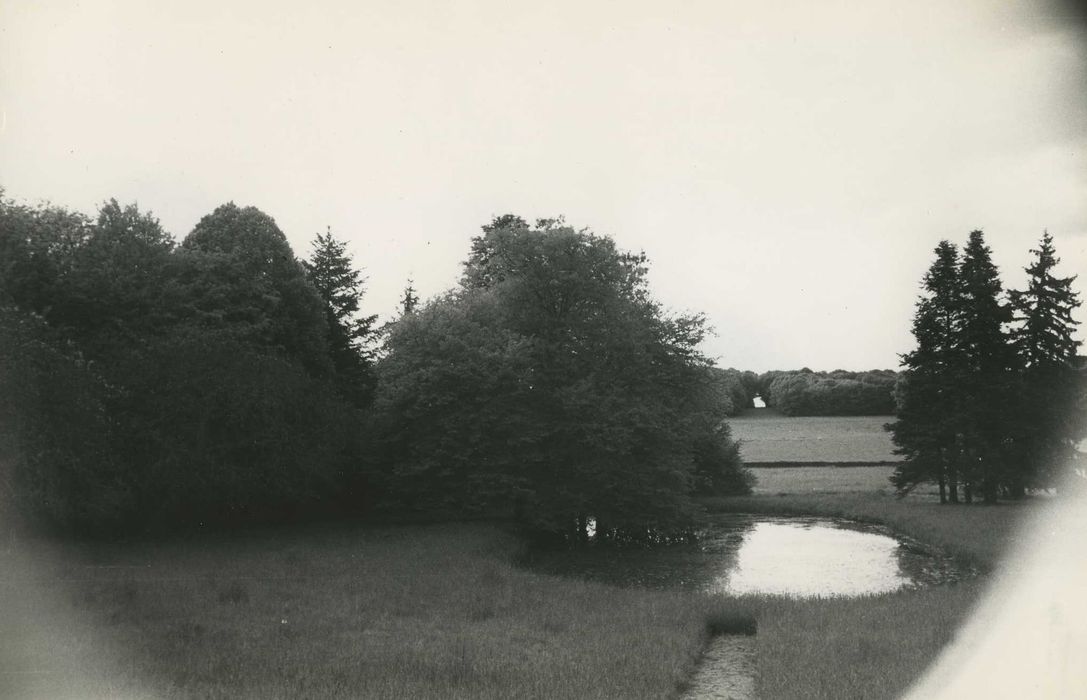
x=1028, y=636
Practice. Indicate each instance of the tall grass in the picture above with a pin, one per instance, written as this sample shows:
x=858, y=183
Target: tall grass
x=409, y=612
x=871, y=647
x=442, y=612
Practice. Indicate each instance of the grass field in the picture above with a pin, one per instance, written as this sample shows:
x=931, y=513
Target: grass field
x=400, y=612
x=768, y=436
x=442, y=611
x=872, y=479
x=775, y=480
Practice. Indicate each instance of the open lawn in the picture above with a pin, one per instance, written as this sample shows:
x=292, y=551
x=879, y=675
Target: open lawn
x=768, y=436
x=442, y=611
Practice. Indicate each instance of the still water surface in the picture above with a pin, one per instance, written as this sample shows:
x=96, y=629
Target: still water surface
x=738, y=554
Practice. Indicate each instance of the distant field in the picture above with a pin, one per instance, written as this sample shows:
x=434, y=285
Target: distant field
x=797, y=480
x=768, y=436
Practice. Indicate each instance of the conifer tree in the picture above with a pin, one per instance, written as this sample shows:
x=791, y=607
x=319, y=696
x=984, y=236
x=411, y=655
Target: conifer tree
x=410, y=301
x=340, y=285
x=926, y=432
x=987, y=379
x=1051, y=386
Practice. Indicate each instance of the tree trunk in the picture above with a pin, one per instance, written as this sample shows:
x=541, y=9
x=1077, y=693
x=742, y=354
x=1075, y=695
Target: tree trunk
x=968, y=492
x=943, y=490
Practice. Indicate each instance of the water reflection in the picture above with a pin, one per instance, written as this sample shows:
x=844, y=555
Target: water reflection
x=740, y=554
x=812, y=559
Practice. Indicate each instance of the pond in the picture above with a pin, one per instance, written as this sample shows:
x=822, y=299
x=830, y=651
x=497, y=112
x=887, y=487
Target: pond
x=738, y=554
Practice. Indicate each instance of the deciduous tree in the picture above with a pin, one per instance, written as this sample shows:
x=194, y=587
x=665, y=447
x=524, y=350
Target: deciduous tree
x=241, y=267
x=552, y=380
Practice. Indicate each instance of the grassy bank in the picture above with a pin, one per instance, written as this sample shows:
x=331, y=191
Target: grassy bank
x=402, y=612
x=873, y=647
x=979, y=534
x=441, y=611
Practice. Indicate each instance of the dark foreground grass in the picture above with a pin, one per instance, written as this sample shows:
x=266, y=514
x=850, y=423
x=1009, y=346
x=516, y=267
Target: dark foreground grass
x=443, y=612
x=405, y=612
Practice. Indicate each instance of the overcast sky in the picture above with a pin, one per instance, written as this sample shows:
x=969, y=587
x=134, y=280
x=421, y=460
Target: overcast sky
x=787, y=167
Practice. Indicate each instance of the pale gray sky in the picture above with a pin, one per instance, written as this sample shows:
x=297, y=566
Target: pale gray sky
x=788, y=167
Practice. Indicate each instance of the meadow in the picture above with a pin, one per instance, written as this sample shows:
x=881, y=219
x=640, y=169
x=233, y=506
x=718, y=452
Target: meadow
x=769, y=437
x=429, y=611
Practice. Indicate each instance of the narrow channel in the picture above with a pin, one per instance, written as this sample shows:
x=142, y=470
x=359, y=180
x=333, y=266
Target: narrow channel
x=727, y=671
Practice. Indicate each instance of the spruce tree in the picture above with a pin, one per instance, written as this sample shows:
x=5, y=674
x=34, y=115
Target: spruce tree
x=927, y=426
x=987, y=378
x=340, y=285
x=1051, y=385
x=410, y=301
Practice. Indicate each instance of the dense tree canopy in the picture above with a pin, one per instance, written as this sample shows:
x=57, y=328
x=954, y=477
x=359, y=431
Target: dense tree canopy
x=144, y=383
x=242, y=270
x=551, y=383
x=148, y=383
x=737, y=389
x=838, y=393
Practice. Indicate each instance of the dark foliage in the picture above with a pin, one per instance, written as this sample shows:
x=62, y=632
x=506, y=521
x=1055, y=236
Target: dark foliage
x=58, y=463
x=988, y=407
x=1051, y=416
x=838, y=393
x=144, y=384
x=551, y=385
x=243, y=270
x=928, y=432
x=737, y=389
x=350, y=334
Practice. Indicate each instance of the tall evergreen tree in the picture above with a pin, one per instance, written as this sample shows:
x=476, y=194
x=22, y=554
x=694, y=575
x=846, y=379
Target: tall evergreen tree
x=410, y=301
x=340, y=285
x=926, y=432
x=1047, y=349
x=987, y=377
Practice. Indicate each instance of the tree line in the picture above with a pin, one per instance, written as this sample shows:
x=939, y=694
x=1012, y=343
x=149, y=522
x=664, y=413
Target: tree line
x=803, y=392
x=991, y=402
x=146, y=382
x=838, y=393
